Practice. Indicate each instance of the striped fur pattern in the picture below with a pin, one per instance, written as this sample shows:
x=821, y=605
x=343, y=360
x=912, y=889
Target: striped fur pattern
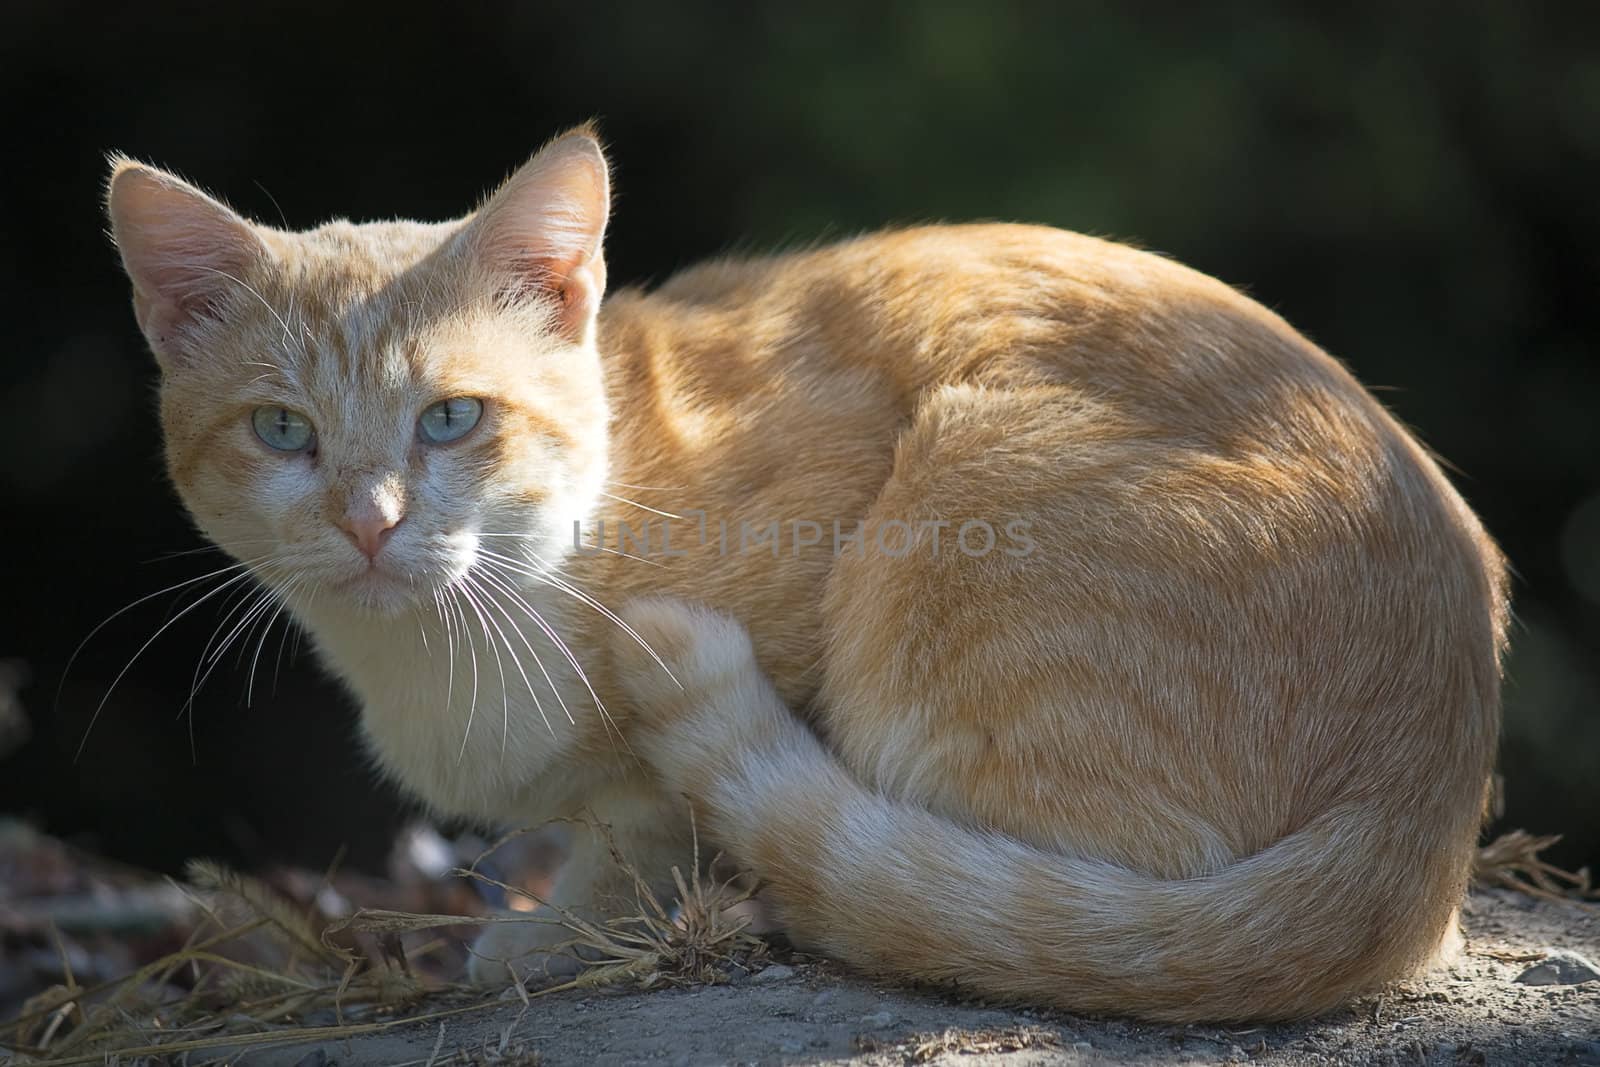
x=1205, y=737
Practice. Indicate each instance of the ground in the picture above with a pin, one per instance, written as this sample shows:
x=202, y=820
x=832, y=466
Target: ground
x=810, y=1012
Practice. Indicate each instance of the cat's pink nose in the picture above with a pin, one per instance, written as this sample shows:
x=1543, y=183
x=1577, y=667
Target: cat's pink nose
x=368, y=532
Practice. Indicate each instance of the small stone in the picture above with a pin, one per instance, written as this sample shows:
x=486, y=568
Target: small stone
x=878, y=1020
x=778, y=972
x=824, y=997
x=1561, y=967
x=791, y=1047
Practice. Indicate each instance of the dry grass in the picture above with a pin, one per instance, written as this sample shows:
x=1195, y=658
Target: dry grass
x=696, y=943
x=1511, y=861
x=259, y=972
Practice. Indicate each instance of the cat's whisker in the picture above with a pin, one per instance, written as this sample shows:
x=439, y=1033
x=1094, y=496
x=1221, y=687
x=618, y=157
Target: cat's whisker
x=258, y=612
x=496, y=583
x=299, y=635
x=467, y=589
x=259, y=602
x=587, y=548
x=492, y=600
x=472, y=648
x=548, y=577
x=290, y=625
x=642, y=507
x=305, y=332
x=234, y=602
x=422, y=632
x=288, y=335
x=231, y=606
x=650, y=488
x=282, y=598
x=450, y=648
x=628, y=555
x=561, y=645
x=415, y=308
x=65, y=671
x=202, y=551
x=242, y=575
x=499, y=563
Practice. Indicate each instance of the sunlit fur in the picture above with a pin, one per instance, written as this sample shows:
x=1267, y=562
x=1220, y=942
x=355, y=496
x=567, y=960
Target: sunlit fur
x=1216, y=749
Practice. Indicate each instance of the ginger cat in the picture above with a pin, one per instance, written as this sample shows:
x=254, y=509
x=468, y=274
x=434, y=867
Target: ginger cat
x=1025, y=611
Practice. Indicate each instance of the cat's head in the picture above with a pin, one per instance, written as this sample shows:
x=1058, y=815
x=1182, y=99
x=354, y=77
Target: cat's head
x=365, y=411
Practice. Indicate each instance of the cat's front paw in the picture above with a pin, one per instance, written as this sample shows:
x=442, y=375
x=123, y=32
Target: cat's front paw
x=532, y=952
x=677, y=657
x=698, y=700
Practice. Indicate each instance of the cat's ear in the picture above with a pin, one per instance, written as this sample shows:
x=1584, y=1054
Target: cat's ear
x=541, y=233
x=186, y=254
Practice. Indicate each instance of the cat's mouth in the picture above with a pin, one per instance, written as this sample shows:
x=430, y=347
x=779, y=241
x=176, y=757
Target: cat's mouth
x=370, y=577
x=388, y=587
x=380, y=589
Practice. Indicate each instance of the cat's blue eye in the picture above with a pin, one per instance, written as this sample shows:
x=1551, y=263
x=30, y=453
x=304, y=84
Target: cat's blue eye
x=282, y=428
x=450, y=420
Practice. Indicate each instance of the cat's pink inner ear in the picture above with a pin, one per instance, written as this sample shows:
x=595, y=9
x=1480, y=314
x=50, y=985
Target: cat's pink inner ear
x=544, y=230
x=184, y=252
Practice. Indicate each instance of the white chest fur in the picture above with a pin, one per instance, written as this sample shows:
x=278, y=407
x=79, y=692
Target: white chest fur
x=466, y=713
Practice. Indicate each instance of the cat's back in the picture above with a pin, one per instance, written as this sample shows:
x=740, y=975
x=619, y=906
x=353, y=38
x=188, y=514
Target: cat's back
x=941, y=303
x=1113, y=367
x=883, y=262
x=1165, y=351
x=919, y=271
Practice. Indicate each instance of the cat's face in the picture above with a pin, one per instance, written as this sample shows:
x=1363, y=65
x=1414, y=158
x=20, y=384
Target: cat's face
x=366, y=413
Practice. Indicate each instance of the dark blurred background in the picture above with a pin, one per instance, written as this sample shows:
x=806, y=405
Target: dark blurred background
x=1413, y=186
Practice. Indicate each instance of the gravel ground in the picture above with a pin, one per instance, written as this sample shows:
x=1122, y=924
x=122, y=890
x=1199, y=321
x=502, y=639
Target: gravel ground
x=1473, y=1012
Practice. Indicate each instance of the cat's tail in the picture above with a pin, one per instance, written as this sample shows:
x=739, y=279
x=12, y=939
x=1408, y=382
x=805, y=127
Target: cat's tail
x=1334, y=909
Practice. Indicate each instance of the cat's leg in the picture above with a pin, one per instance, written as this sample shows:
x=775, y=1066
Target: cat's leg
x=717, y=714
x=715, y=728
x=711, y=707
x=629, y=836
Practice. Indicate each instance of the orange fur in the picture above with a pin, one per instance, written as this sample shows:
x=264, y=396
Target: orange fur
x=1204, y=736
